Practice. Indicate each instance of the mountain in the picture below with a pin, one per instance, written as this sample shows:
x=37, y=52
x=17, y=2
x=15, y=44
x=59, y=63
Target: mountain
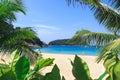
x=59, y=42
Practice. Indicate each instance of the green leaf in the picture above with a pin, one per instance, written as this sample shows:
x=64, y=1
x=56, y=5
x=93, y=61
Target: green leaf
x=44, y=63
x=54, y=75
x=7, y=74
x=14, y=58
x=85, y=37
x=4, y=66
x=108, y=78
x=39, y=65
x=80, y=69
x=116, y=71
x=22, y=67
x=102, y=76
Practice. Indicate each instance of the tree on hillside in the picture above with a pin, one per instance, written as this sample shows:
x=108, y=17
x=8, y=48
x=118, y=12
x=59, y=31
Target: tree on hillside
x=109, y=16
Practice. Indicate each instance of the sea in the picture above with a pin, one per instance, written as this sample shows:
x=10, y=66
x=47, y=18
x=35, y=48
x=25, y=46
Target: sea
x=80, y=50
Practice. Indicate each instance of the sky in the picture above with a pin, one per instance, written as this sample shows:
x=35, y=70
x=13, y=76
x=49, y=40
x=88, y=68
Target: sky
x=54, y=19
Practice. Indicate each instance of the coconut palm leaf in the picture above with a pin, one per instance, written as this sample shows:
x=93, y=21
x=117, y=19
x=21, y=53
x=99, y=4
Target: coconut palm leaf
x=86, y=2
x=111, y=49
x=116, y=3
x=77, y=38
x=106, y=15
x=91, y=38
x=99, y=38
x=16, y=38
x=10, y=7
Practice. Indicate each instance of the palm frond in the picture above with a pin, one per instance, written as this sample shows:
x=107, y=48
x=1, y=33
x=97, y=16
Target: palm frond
x=99, y=38
x=8, y=8
x=116, y=3
x=107, y=16
x=77, y=38
x=91, y=38
x=111, y=49
x=16, y=38
x=85, y=2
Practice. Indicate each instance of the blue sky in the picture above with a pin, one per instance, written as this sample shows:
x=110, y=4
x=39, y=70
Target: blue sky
x=54, y=19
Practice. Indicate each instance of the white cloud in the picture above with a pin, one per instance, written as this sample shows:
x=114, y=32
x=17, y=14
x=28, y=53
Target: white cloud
x=37, y=27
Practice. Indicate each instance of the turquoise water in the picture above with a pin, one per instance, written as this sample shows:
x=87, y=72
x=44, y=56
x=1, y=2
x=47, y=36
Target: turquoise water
x=71, y=50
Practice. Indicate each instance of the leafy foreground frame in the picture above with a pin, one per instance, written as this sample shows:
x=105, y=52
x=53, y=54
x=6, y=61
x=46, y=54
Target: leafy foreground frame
x=19, y=69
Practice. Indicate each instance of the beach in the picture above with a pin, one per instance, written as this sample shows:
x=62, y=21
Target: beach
x=63, y=62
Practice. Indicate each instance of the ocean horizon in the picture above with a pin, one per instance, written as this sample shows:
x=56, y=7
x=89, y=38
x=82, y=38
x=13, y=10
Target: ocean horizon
x=68, y=49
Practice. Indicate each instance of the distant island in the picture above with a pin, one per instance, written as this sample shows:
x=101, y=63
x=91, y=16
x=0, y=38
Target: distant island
x=59, y=42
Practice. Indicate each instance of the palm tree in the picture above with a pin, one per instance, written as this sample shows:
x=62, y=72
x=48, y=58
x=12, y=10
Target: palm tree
x=109, y=16
x=8, y=8
x=15, y=38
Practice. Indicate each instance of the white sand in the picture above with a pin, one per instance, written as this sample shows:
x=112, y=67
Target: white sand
x=65, y=67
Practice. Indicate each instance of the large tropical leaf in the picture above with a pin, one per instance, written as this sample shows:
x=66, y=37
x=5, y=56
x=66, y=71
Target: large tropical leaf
x=21, y=68
x=44, y=63
x=116, y=71
x=7, y=74
x=102, y=76
x=80, y=69
x=39, y=65
x=14, y=58
x=54, y=74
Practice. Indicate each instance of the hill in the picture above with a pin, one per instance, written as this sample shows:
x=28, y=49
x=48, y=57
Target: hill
x=59, y=42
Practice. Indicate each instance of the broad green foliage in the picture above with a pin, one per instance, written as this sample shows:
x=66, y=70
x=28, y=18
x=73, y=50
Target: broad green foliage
x=108, y=78
x=39, y=65
x=15, y=38
x=4, y=66
x=8, y=75
x=80, y=69
x=102, y=76
x=14, y=58
x=109, y=16
x=21, y=68
x=54, y=75
x=44, y=63
x=116, y=71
